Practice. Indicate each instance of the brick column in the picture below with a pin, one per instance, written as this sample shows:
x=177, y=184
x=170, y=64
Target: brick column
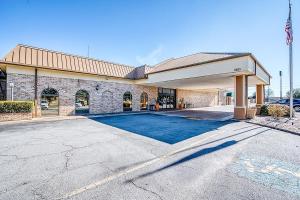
x=241, y=94
x=260, y=95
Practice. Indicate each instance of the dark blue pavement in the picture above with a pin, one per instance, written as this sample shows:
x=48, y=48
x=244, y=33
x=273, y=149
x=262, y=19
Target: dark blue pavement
x=168, y=129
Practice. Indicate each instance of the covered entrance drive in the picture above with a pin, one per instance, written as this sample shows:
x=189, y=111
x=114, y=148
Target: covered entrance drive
x=214, y=72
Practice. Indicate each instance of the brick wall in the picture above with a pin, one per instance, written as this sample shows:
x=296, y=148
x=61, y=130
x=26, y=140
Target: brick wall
x=108, y=98
x=15, y=116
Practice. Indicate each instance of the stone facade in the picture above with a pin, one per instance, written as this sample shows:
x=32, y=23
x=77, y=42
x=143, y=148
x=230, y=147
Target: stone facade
x=107, y=99
x=197, y=99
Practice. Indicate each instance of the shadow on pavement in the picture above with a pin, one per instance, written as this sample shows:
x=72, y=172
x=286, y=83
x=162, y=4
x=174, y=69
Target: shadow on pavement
x=200, y=153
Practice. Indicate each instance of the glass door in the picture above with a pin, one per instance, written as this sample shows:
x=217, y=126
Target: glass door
x=166, y=98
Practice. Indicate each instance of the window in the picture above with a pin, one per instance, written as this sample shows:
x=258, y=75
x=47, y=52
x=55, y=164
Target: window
x=49, y=102
x=82, y=102
x=144, y=101
x=127, y=101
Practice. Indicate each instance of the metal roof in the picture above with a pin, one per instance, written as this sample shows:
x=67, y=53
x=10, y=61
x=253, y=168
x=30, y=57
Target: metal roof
x=44, y=58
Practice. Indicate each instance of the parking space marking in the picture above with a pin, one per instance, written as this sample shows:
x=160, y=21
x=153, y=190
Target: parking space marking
x=268, y=171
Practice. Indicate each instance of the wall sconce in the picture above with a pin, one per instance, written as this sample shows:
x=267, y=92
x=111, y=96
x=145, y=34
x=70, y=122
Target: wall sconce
x=97, y=87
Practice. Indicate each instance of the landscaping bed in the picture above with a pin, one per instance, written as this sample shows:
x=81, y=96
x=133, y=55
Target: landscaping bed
x=277, y=116
x=15, y=110
x=282, y=123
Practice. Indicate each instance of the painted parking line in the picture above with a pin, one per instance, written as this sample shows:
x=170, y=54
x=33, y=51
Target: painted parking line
x=133, y=169
x=270, y=172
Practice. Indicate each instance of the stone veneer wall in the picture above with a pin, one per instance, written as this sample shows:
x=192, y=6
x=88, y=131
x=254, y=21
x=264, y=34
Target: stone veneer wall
x=198, y=98
x=108, y=98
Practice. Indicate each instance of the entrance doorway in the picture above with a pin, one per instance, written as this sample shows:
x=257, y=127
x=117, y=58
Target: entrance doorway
x=49, y=102
x=167, y=98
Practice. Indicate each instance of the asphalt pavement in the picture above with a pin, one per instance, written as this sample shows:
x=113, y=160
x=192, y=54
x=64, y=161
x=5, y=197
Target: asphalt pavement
x=85, y=159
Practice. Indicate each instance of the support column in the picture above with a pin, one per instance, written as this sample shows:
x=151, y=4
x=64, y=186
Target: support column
x=260, y=95
x=35, y=94
x=241, y=97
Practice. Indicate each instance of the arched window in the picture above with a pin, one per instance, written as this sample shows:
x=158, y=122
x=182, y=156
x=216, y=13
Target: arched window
x=82, y=102
x=127, y=101
x=49, y=102
x=144, y=101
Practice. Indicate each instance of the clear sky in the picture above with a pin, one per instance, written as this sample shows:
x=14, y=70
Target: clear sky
x=139, y=32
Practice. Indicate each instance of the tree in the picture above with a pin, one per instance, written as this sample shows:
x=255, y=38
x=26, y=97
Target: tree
x=296, y=93
x=269, y=92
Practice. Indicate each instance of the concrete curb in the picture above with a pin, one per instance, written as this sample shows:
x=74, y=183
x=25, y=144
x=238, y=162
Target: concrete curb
x=272, y=127
x=46, y=119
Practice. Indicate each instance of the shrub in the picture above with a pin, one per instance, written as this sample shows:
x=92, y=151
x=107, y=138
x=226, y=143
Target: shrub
x=264, y=110
x=287, y=110
x=16, y=106
x=276, y=110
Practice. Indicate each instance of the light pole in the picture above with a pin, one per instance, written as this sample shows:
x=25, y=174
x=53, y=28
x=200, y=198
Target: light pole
x=11, y=85
x=268, y=93
x=280, y=74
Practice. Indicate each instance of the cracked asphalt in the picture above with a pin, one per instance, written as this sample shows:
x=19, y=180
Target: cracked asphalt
x=84, y=159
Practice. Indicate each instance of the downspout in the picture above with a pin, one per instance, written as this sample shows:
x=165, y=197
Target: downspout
x=35, y=92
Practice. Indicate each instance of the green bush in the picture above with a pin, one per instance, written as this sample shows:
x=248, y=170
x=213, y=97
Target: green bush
x=264, y=110
x=16, y=106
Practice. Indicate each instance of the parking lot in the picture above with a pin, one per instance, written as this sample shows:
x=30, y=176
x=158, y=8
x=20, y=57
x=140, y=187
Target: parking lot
x=88, y=159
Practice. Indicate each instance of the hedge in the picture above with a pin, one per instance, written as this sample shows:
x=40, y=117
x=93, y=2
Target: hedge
x=16, y=106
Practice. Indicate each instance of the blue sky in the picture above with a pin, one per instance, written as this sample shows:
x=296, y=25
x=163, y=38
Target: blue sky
x=139, y=32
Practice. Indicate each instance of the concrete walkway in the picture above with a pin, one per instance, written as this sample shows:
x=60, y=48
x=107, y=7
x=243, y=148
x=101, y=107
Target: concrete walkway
x=219, y=113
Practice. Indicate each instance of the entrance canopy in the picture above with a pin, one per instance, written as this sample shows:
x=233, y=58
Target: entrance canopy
x=207, y=71
x=214, y=71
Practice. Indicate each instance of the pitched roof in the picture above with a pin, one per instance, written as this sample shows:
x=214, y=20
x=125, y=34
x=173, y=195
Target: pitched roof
x=44, y=58
x=194, y=59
